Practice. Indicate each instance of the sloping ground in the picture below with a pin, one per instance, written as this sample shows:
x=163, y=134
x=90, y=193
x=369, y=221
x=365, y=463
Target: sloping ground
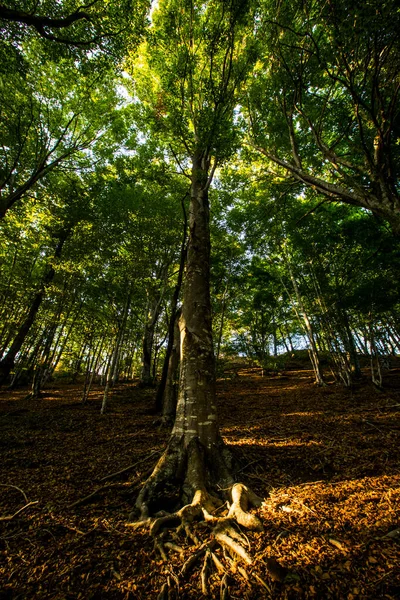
x=325, y=459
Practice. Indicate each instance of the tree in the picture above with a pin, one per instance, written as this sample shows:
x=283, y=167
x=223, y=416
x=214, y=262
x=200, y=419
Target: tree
x=322, y=262
x=324, y=105
x=8, y=360
x=198, y=57
x=51, y=117
x=95, y=25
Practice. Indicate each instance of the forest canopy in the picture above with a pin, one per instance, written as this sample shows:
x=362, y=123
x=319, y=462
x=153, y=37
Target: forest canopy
x=293, y=109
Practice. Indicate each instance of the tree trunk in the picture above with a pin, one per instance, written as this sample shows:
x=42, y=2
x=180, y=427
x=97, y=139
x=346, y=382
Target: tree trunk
x=195, y=440
x=221, y=325
x=115, y=354
x=7, y=363
x=78, y=363
x=350, y=345
x=93, y=367
x=160, y=401
x=313, y=352
x=152, y=314
x=275, y=339
x=170, y=395
x=42, y=363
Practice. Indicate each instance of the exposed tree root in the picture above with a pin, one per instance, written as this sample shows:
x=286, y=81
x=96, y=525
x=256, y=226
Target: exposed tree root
x=210, y=524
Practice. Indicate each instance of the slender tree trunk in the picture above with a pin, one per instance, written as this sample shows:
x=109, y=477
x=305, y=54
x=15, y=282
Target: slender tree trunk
x=59, y=348
x=361, y=339
x=275, y=340
x=350, y=345
x=8, y=361
x=221, y=325
x=153, y=313
x=174, y=314
x=89, y=366
x=289, y=337
x=171, y=392
x=115, y=354
x=313, y=352
x=94, y=366
x=283, y=337
x=43, y=363
x=376, y=370
x=78, y=362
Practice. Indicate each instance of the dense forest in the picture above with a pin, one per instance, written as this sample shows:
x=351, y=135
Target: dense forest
x=192, y=194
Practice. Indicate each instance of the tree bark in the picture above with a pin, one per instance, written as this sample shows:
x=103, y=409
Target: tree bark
x=8, y=361
x=313, y=352
x=115, y=354
x=170, y=395
x=160, y=399
x=195, y=456
x=197, y=380
x=152, y=314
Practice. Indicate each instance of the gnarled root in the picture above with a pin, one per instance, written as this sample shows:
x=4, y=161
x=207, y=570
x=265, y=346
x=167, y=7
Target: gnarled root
x=242, y=498
x=212, y=524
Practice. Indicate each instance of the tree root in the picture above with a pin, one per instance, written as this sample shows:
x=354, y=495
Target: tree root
x=223, y=532
x=212, y=525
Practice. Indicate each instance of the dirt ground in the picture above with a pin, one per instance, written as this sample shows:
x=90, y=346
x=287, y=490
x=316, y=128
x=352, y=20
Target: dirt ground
x=326, y=460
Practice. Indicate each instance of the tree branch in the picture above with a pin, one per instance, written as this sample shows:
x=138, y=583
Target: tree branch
x=39, y=22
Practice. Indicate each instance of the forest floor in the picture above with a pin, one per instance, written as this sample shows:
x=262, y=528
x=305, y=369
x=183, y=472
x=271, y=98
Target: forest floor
x=326, y=460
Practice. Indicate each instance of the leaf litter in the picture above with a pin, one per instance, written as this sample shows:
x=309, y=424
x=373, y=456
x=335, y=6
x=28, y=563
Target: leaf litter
x=326, y=460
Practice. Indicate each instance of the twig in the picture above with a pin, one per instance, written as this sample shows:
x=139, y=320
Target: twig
x=311, y=483
x=139, y=462
x=380, y=578
x=373, y=425
x=17, y=488
x=250, y=463
x=93, y=494
x=10, y=517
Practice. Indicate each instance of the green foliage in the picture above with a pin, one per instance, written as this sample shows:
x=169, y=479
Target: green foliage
x=324, y=102
x=190, y=71
x=89, y=147
x=93, y=33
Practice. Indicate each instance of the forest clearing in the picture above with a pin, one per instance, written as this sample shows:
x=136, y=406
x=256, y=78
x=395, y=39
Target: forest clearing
x=326, y=460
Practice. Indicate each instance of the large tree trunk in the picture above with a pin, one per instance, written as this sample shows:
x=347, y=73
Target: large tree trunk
x=196, y=410
x=196, y=465
x=195, y=460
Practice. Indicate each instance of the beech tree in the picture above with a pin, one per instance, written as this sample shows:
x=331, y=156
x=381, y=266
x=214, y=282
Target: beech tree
x=51, y=117
x=305, y=96
x=198, y=56
x=332, y=269
x=324, y=104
